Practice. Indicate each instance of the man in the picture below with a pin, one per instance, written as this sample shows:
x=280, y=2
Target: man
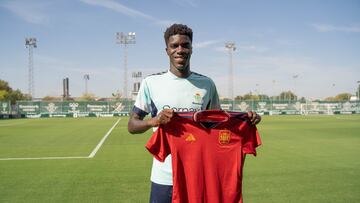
x=177, y=89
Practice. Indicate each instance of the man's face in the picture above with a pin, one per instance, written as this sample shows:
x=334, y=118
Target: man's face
x=179, y=50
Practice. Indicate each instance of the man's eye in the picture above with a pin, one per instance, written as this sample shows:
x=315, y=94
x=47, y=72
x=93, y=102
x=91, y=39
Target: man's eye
x=174, y=46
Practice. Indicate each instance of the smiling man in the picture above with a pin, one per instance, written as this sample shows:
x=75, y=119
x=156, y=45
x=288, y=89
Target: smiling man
x=179, y=50
x=176, y=90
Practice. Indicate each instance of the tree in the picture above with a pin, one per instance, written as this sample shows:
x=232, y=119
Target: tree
x=264, y=97
x=250, y=96
x=87, y=97
x=5, y=86
x=8, y=94
x=239, y=97
x=339, y=97
x=16, y=95
x=330, y=99
x=3, y=94
x=287, y=96
x=343, y=97
x=51, y=98
x=302, y=100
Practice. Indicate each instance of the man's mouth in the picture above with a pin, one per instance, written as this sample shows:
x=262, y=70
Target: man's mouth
x=180, y=58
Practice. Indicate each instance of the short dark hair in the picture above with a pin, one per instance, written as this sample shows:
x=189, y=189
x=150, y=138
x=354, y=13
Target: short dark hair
x=178, y=29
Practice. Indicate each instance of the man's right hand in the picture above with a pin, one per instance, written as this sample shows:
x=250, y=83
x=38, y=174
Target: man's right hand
x=137, y=125
x=162, y=118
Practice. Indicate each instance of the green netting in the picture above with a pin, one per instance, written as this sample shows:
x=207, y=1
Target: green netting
x=74, y=107
x=5, y=107
x=123, y=107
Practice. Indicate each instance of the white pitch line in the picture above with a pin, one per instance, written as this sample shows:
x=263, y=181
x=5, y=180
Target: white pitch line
x=72, y=157
x=347, y=118
x=44, y=158
x=103, y=140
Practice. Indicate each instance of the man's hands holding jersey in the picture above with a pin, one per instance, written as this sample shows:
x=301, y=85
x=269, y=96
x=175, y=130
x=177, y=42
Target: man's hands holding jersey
x=254, y=117
x=165, y=116
x=162, y=118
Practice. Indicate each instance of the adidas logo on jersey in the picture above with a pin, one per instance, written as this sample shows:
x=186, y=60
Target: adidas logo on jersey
x=190, y=138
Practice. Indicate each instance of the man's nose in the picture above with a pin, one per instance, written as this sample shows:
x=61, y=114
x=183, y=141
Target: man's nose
x=180, y=49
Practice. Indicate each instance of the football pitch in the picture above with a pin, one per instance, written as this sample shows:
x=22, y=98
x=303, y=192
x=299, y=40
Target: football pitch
x=302, y=159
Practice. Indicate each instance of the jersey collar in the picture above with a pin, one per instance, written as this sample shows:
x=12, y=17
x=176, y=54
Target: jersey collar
x=211, y=118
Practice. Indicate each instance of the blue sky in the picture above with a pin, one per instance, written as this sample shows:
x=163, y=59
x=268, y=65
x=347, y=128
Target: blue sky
x=318, y=40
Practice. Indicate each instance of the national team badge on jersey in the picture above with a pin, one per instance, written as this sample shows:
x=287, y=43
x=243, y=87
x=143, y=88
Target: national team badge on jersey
x=224, y=137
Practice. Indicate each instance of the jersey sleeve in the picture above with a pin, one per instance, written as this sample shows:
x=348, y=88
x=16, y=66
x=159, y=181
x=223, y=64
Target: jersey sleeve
x=142, y=105
x=251, y=140
x=158, y=144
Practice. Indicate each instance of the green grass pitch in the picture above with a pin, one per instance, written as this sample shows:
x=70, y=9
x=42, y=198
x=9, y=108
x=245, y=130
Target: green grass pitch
x=302, y=159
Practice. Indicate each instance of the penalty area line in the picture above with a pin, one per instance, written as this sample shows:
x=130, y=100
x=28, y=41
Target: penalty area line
x=44, y=158
x=93, y=153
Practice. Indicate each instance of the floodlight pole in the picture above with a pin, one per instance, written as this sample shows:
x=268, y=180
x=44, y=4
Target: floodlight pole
x=30, y=43
x=121, y=38
x=295, y=77
x=273, y=97
x=358, y=90
x=230, y=46
x=86, y=78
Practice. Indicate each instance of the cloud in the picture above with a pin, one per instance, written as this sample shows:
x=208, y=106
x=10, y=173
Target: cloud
x=185, y=3
x=220, y=49
x=252, y=48
x=29, y=11
x=120, y=8
x=205, y=44
x=243, y=48
x=263, y=70
x=333, y=28
x=287, y=42
x=62, y=65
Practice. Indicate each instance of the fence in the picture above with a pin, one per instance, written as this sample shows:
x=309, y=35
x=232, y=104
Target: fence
x=73, y=108
x=5, y=109
x=123, y=107
x=294, y=107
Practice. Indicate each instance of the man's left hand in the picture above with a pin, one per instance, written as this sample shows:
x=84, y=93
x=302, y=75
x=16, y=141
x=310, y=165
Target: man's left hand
x=254, y=117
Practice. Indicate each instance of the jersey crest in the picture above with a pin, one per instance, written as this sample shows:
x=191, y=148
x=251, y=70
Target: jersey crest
x=224, y=137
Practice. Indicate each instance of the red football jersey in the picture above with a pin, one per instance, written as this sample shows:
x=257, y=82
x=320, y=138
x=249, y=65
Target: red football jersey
x=208, y=150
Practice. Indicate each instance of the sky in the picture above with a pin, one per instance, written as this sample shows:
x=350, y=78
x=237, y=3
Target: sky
x=310, y=47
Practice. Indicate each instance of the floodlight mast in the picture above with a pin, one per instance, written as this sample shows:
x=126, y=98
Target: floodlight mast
x=30, y=43
x=295, y=77
x=124, y=39
x=86, y=78
x=230, y=46
x=273, y=97
x=358, y=97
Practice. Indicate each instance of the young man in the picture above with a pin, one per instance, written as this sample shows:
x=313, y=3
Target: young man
x=177, y=89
